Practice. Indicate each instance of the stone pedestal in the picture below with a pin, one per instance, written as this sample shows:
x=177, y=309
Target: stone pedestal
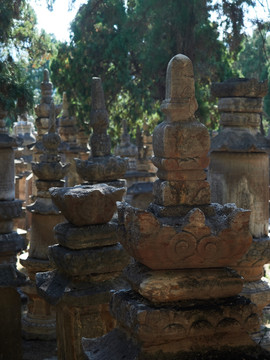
x=10, y=245
x=89, y=261
x=184, y=301
x=239, y=173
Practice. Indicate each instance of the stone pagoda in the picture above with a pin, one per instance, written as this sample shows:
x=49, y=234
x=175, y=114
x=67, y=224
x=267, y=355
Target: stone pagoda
x=39, y=321
x=101, y=166
x=238, y=173
x=10, y=245
x=184, y=301
x=43, y=113
x=70, y=149
x=89, y=259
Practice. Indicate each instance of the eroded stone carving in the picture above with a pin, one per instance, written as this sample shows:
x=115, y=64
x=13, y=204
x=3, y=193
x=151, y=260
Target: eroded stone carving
x=181, y=230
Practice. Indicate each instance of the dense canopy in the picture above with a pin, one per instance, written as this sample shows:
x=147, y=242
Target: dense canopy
x=128, y=44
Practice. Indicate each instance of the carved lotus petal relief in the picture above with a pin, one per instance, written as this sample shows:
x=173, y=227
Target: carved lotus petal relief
x=189, y=244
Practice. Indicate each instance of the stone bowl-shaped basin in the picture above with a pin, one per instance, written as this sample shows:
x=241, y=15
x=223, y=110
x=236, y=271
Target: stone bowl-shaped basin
x=103, y=168
x=87, y=204
x=50, y=170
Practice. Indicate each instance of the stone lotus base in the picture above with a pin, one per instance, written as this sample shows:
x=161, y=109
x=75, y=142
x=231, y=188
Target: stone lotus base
x=116, y=345
x=197, y=238
x=185, y=326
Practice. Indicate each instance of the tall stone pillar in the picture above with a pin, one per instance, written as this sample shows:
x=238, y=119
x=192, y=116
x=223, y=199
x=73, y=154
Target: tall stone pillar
x=184, y=301
x=89, y=259
x=68, y=132
x=238, y=173
x=39, y=321
x=10, y=245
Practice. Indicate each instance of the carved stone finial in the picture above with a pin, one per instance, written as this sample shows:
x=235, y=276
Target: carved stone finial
x=180, y=103
x=46, y=76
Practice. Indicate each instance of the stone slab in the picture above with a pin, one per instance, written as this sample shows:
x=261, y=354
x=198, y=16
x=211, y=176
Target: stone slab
x=89, y=261
x=174, y=285
x=240, y=104
x=57, y=287
x=74, y=237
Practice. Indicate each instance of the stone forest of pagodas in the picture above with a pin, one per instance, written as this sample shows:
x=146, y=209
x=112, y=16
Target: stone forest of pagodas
x=154, y=250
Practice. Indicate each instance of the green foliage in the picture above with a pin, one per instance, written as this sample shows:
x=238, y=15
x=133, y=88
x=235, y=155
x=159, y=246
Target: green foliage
x=129, y=46
x=23, y=50
x=254, y=59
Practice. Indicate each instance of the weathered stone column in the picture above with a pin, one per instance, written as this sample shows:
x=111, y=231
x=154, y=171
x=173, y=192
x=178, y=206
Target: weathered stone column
x=239, y=171
x=68, y=132
x=184, y=302
x=89, y=259
x=39, y=321
x=10, y=245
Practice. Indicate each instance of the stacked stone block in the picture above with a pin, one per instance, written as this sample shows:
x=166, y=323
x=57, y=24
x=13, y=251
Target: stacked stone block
x=89, y=259
x=39, y=321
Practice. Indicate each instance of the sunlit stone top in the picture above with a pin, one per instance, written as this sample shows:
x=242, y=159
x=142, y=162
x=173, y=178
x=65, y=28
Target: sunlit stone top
x=180, y=102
